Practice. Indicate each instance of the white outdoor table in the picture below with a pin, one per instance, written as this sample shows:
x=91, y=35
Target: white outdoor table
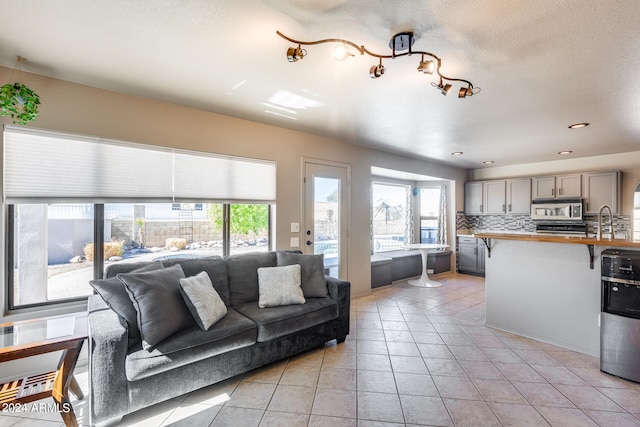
x=424, y=249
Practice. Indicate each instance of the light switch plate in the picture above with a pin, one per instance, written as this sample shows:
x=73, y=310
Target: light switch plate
x=295, y=227
x=295, y=242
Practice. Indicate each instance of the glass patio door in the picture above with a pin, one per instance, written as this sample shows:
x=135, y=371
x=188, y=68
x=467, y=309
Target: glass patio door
x=326, y=215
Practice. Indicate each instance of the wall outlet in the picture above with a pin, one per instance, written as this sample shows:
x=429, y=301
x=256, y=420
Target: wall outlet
x=294, y=242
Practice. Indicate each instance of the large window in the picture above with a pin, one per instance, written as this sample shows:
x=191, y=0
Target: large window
x=430, y=204
x=69, y=216
x=391, y=216
x=52, y=246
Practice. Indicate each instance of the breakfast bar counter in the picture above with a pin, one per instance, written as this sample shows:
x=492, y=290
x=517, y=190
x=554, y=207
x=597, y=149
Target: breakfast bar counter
x=555, y=238
x=546, y=287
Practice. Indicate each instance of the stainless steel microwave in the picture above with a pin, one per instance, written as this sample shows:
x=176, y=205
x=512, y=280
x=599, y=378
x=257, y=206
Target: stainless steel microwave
x=557, y=210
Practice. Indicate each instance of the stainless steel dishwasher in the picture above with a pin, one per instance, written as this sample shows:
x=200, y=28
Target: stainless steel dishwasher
x=620, y=321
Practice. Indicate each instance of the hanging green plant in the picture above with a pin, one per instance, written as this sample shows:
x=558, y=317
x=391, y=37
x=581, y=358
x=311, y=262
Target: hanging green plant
x=19, y=102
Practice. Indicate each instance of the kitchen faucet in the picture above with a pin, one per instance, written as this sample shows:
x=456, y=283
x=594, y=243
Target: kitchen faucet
x=603, y=207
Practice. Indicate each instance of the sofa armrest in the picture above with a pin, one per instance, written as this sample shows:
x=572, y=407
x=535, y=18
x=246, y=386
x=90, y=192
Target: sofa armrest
x=340, y=290
x=108, y=342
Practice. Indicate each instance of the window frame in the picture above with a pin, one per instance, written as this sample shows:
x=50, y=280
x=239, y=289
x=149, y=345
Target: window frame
x=98, y=255
x=409, y=214
x=427, y=217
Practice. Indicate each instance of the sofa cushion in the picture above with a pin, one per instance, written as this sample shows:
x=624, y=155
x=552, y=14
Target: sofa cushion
x=202, y=300
x=279, y=286
x=215, y=266
x=312, y=272
x=160, y=307
x=275, y=322
x=242, y=270
x=113, y=292
x=113, y=269
x=191, y=345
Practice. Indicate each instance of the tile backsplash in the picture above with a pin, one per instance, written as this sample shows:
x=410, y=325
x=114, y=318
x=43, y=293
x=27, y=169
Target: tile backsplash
x=524, y=223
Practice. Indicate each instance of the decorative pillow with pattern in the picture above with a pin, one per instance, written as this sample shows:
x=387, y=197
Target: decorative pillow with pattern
x=279, y=286
x=203, y=301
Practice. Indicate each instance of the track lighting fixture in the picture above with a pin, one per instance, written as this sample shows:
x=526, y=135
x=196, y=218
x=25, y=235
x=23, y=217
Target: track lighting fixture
x=400, y=45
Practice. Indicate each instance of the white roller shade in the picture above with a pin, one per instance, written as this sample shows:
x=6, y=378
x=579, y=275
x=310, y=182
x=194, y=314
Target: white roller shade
x=232, y=179
x=49, y=166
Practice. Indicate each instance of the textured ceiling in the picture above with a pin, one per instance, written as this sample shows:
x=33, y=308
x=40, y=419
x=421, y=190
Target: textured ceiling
x=541, y=65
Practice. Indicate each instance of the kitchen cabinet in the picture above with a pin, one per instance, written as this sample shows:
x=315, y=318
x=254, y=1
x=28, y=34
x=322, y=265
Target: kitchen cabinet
x=493, y=197
x=471, y=253
x=473, y=198
x=558, y=186
x=498, y=197
x=518, y=196
x=601, y=188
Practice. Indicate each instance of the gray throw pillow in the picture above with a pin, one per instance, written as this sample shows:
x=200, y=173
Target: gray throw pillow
x=203, y=301
x=115, y=295
x=279, y=286
x=314, y=284
x=161, y=311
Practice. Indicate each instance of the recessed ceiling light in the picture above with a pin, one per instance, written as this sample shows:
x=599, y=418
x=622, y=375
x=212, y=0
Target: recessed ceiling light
x=579, y=125
x=562, y=153
x=488, y=162
x=457, y=153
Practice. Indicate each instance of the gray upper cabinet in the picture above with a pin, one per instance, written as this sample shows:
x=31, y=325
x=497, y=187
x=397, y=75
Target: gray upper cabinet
x=513, y=196
x=493, y=197
x=601, y=188
x=498, y=197
x=544, y=187
x=558, y=186
x=519, y=196
x=473, y=198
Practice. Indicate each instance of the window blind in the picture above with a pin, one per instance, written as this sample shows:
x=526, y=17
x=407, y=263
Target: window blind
x=44, y=166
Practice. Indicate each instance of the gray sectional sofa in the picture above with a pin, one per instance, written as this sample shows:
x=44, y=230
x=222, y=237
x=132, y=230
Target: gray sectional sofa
x=131, y=367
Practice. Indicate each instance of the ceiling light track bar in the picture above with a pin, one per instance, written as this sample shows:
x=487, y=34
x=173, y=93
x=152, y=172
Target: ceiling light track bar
x=405, y=40
x=360, y=49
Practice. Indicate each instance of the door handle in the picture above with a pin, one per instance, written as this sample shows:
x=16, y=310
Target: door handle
x=309, y=243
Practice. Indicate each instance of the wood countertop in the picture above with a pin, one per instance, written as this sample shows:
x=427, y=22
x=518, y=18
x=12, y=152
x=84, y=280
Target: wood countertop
x=552, y=238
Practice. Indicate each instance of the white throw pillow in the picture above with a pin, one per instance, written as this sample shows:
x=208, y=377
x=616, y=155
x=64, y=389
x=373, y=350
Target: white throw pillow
x=279, y=286
x=203, y=301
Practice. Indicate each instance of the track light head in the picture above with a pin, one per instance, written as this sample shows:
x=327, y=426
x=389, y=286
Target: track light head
x=427, y=67
x=443, y=88
x=464, y=92
x=341, y=52
x=376, y=71
x=294, y=54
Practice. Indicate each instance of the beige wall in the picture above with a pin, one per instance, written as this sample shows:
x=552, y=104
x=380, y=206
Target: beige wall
x=627, y=163
x=85, y=110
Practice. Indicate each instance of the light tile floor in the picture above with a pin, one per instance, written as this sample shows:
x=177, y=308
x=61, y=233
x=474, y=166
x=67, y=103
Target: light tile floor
x=414, y=356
